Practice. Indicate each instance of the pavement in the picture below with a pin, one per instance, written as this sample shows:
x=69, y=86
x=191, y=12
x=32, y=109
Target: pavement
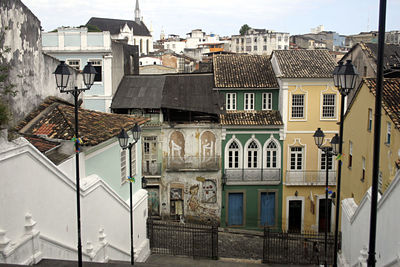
x=161, y=260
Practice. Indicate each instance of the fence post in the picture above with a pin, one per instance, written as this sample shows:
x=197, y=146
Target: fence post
x=214, y=241
x=264, y=259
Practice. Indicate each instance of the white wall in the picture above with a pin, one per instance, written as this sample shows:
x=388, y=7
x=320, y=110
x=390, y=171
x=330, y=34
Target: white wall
x=30, y=183
x=355, y=227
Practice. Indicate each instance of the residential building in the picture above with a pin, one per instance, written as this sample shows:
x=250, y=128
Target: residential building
x=304, y=42
x=260, y=42
x=332, y=40
x=308, y=100
x=181, y=156
x=133, y=32
x=364, y=57
x=251, y=145
x=392, y=37
x=148, y=60
x=358, y=144
x=365, y=37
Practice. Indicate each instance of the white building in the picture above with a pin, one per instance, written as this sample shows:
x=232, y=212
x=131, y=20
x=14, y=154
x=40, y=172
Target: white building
x=260, y=42
x=145, y=61
x=133, y=32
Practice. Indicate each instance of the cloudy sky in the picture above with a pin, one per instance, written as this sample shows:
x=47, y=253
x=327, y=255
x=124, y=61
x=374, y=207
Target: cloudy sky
x=223, y=17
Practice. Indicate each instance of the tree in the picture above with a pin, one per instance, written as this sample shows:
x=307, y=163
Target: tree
x=244, y=29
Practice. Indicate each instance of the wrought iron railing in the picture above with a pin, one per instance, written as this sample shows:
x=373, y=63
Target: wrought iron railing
x=193, y=163
x=253, y=175
x=310, y=177
x=151, y=168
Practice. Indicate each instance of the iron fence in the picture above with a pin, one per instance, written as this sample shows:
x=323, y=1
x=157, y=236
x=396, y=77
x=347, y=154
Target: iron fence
x=310, y=177
x=151, y=168
x=297, y=248
x=170, y=238
x=253, y=175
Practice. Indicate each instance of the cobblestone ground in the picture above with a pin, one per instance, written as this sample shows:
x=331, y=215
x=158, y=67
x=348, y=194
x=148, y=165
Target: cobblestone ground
x=240, y=245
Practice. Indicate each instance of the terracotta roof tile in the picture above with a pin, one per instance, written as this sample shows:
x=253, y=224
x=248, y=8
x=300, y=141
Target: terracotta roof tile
x=254, y=118
x=305, y=63
x=390, y=97
x=41, y=144
x=243, y=71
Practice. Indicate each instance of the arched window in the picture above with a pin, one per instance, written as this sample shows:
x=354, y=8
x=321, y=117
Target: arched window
x=252, y=155
x=271, y=155
x=233, y=155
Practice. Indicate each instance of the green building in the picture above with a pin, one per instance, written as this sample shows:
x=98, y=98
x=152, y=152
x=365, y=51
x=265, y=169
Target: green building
x=251, y=147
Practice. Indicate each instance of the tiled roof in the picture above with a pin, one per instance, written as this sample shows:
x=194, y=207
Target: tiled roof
x=255, y=118
x=305, y=63
x=243, y=71
x=42, y=144
x=391, y=57
x=57, y=121
x=390, y=97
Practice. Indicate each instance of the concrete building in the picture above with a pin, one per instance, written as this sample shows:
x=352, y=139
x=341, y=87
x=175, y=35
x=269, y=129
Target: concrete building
x=392, y=37
x=133, y=32
x=308, y=100
x=260, y=42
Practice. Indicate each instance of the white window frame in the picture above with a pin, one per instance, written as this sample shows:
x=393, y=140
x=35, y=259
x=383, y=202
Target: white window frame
x=74, y=66
x=296, y=153
x=328, y=106
x=133, y=160
x=233, y=139
x=266, y=101
x=363, y=169
x=350, y=163
x=235, y=162
x=98, y=62
x=249, y=101
x=231, y=101
x=274, y=152
x=296, y=105
x=369, y=126
x=255, y=158
x=331, y=160
x=388, y=133
x=123, y=166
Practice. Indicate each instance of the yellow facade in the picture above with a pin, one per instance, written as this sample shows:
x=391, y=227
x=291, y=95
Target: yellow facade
x=359, y=135
x=306, y=184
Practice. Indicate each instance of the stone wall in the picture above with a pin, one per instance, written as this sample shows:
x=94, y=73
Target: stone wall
x=30, y=70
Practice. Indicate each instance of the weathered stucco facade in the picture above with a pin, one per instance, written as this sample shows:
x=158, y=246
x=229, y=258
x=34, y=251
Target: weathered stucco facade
x=29, y=69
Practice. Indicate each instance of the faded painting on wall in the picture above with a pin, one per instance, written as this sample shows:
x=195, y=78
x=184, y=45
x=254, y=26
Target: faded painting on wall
x=176, y=199
x=207, y=146
x=177, y=146
x=209, y=192
x=154, y=200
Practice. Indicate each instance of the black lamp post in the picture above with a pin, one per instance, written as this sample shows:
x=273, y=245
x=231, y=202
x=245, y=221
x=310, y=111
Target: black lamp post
x=123, y=139
x=62, y=74
x=344, y=78
x=319, y=140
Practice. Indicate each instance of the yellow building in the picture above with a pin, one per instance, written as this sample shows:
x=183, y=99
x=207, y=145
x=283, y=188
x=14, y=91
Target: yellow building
x=359, y=139
x=308, y=100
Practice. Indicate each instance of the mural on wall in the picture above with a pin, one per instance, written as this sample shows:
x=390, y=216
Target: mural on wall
x=207, y=146
x=209, y=192
x=176, y=199
x=177, y=146
x=193, y=201
x=154, y=200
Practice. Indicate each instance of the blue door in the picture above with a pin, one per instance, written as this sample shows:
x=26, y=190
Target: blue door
x=267, y=209
x=235, y=209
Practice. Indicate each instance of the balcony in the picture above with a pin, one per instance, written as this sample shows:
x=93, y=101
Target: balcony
x=151, y=168
x=192, y=163
x=252, y=176
x=313, y=178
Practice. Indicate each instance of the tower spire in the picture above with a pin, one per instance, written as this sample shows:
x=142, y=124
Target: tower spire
x=137, y=12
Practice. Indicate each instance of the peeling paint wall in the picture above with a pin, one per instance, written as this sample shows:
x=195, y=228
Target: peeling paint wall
x=31, y=71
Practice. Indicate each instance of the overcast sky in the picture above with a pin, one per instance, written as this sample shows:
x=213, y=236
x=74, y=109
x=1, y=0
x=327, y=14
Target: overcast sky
x=223, y=17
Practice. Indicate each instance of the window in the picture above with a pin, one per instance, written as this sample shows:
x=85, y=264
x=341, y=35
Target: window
x=363, y=169
x=233, y=156
x=296, y=158
x=255, y=48
x=265, y=48
x=328, y=106
x=365, y=71
x=237, y=49
x=231, y=101
x=123, y=166
x=279, y=39
x=97, y=64
x=255, y=39
x=265, y=39
x=248, y=40
x=249, y=101
x=74, y=63
x=279, y=47
x=133, y=160
x=297, y=106
x=267, y=101
x=271, y=155
x=252, y=155
x=248, y=48
x=350, y=154
x=380, y=182
x=388, y=132
x=369, y=127
x=323, y=160
x=237, y=41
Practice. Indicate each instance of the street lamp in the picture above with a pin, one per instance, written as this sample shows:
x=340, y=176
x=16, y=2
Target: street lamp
x=123, y=139
x=62, y=75
x=319, y=140
x=344, y=78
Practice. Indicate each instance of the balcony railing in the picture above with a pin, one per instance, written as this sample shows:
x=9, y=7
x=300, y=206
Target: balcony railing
x=151, y=168
x=192, y=163
x=310, y=177
x=252, y=175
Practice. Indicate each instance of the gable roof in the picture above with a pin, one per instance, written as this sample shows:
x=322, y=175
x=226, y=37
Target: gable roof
x=114, y=26
x=55, y=119
x=251, y=118
x=191, y=92
x=243, y=71
x=305, y=63
x=390, y=97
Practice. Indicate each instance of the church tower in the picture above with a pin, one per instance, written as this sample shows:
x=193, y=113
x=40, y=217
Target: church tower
x=137, y=12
